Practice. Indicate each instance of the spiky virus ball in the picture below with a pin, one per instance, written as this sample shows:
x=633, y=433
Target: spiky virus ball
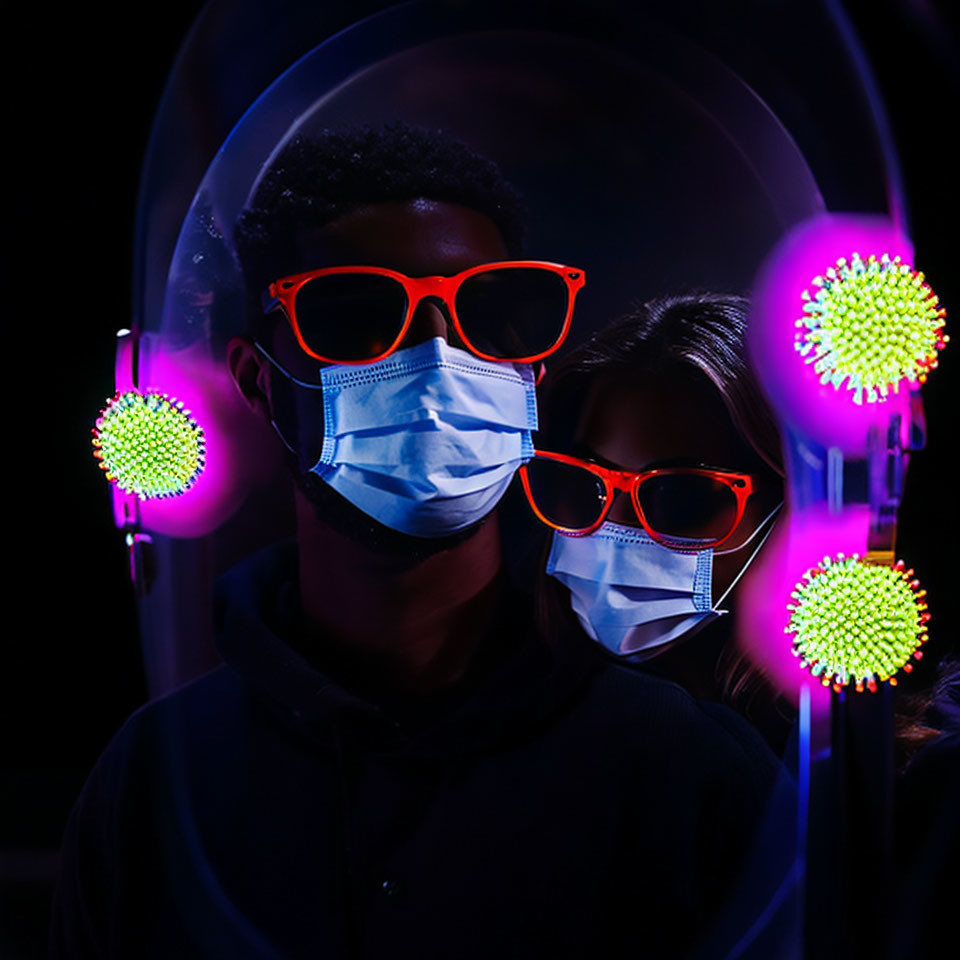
x=871, y=323
x=149, y=445
x=856, y=622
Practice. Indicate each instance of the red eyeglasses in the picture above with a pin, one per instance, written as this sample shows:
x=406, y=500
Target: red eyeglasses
x=684, y=508
x=514, y=310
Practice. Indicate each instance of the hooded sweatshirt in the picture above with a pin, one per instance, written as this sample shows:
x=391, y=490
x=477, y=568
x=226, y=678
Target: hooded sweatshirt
x=550, y=804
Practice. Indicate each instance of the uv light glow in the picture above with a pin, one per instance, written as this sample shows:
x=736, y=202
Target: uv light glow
x=871, y=323
x=149, y=445
x=856, y=622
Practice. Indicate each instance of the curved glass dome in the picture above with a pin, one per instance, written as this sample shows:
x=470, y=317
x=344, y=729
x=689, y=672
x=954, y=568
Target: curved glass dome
x=651, y=148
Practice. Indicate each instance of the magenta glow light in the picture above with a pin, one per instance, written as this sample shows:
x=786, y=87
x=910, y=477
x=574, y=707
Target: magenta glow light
x=857, y=623
x=242, y=451
x=812, y=405
x=870, y=324
x=799, y=541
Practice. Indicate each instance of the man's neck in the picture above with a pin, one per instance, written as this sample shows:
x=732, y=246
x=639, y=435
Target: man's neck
x=393, y=623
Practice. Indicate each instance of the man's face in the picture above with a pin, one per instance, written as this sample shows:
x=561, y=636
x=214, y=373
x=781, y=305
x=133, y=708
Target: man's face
x=418, y=238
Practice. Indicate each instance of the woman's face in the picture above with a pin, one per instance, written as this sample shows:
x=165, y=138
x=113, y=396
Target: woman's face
x=674, y=417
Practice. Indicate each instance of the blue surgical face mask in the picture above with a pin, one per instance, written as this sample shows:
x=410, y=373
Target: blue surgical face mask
x=427, y=440
x=633, y=595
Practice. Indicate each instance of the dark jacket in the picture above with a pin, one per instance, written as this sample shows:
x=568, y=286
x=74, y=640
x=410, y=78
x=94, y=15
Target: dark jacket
x=553, y=804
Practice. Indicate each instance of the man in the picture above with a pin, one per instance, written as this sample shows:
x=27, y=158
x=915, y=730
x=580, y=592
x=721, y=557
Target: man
x=398, y=609
x=391, y=762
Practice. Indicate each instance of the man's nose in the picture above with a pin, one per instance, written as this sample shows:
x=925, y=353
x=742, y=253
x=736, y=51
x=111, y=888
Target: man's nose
x=429, y=321
x=622, y=510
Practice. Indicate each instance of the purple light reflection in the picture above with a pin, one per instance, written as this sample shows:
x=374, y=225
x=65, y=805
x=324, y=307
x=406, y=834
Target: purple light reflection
x=800, y=541
x=818, y=411
x=124, y=504
x=240, y=448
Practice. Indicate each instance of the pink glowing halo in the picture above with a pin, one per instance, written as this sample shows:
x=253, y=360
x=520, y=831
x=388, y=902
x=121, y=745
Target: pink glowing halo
x=815, y=410
x=242, y=452
x=125, y=505
x=798, y=542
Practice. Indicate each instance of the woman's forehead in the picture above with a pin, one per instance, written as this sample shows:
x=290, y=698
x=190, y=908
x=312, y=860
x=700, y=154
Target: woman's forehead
x=663, y=413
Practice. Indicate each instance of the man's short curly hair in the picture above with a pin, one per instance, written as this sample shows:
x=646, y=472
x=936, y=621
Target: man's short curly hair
x=315, y=179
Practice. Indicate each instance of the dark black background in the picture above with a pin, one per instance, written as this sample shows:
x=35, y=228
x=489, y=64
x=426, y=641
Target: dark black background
x=83, y=83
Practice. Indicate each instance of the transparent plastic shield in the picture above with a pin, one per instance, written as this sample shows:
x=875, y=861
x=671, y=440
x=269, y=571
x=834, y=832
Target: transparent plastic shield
x=641, y=153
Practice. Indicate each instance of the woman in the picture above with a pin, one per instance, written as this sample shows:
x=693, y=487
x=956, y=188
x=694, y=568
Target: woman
x=659, y=472
x=660, y=463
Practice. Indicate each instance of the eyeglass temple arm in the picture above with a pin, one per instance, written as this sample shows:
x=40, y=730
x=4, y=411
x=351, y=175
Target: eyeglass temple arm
x=268, y=300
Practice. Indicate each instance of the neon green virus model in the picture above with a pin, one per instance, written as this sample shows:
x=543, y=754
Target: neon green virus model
x=871, y=323
x=149, y=445
x=855, y=622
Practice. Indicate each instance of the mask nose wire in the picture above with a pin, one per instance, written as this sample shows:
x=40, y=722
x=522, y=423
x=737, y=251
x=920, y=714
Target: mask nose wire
x=770, y=516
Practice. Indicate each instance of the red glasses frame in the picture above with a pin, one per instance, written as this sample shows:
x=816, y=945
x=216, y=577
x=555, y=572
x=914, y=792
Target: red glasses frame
x=282, y=293
x=629, y=482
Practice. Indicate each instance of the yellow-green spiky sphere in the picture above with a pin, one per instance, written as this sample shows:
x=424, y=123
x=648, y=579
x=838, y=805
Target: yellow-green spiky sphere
x=872, y=324
x=857, y=622
x=149, y=445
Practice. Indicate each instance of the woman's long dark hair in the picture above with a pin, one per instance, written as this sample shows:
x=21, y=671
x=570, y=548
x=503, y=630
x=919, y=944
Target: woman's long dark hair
x=704, y=330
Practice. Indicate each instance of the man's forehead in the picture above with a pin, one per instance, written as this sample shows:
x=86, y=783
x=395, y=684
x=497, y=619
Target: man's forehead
x=417, y=237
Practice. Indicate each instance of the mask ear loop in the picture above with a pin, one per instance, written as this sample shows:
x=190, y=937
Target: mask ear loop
x=757, y=549
x=292, y=379
x=286, y=373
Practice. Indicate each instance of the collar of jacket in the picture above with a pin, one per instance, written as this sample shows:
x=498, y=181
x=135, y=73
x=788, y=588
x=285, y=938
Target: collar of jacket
x=522, y=683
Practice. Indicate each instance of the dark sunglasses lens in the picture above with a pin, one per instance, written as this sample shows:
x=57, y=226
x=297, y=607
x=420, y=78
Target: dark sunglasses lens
x=690, y=510
x=568, y=496
x=350, y=316
x=514, y=312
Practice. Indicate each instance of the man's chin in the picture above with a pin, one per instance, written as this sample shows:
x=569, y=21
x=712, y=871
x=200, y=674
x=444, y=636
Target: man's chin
x=338, y=513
